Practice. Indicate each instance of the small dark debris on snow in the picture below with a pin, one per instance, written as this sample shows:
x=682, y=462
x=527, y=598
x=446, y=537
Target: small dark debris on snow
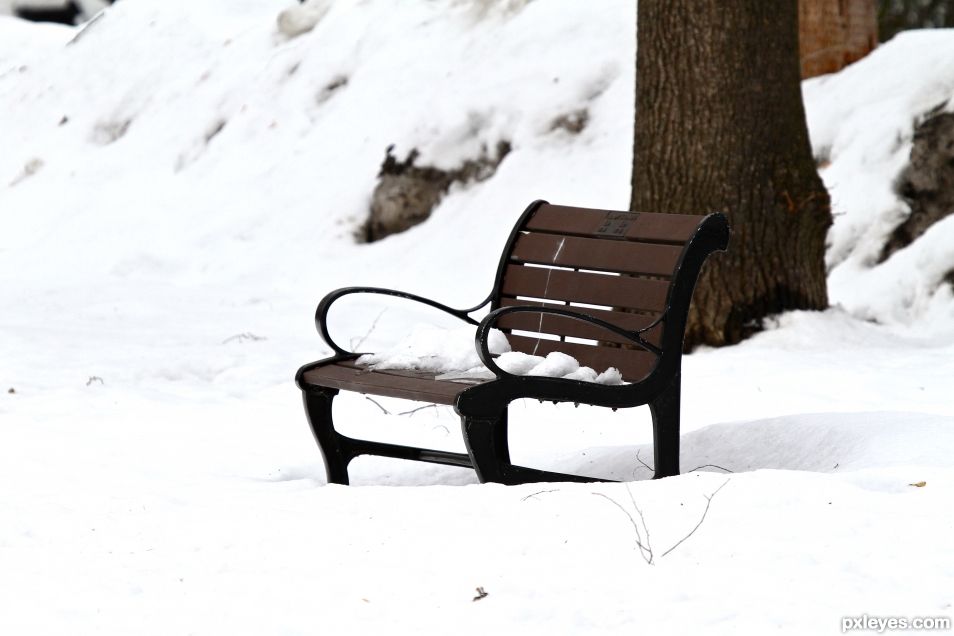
x=93, y=379
x=64, y=120
x=573, y=123
x=30, y=168
x=337, y=82
x=11, y=390
x=214, y=130
x=480, y=594
x=244, y=337
x=107, y=132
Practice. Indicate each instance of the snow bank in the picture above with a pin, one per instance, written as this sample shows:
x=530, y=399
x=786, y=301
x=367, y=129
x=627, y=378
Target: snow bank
x=861, y=121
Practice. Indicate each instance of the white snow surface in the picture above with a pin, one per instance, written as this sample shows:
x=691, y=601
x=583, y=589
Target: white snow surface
x=181, y=184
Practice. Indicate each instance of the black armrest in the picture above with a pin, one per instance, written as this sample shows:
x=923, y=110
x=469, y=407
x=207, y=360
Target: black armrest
x=321, y=313
x=483, y=331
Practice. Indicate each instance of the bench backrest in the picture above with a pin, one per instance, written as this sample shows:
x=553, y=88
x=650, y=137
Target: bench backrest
x=616, y=266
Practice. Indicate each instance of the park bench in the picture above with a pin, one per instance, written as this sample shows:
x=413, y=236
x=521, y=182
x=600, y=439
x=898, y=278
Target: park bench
x=618, y=283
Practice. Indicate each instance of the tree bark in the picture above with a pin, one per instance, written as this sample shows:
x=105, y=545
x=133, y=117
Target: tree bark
x=835, y=33
x=720, y=126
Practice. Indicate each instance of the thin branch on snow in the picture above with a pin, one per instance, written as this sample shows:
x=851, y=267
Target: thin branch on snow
x=651, y=469
x=632, y=500
x=420, y=408
x=645, y=465
x=375, y=402
x=355, y=347
x=711, y=466
x=709, y=499
x=645, y=551
x=539, y=492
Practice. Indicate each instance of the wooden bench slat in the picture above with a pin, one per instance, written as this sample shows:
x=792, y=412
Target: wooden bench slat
x=590, y=253
x=583, y=287
x=560, y=326
x=633, y=364
x=399, y=383
x=646, y=226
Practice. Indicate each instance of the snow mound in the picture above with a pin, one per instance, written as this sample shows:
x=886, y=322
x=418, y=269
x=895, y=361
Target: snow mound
x=861, y=122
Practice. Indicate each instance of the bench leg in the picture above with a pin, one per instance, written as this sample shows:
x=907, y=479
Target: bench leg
x=333, y=450
x=665, y=411
x=486, y=441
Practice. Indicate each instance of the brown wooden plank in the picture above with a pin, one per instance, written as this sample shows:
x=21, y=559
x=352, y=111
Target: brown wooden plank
x=560, y=326
x=633, y=364
x=596, y=289
x=397, y=383
x=647, y=226
x=590, y=253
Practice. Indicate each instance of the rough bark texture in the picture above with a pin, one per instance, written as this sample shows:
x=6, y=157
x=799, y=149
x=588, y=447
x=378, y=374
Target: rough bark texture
x=835, y=33
x=720, y=126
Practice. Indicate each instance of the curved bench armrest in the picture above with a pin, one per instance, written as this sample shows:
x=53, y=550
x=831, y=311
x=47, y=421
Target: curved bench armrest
x=321, y=313
x=483, y=331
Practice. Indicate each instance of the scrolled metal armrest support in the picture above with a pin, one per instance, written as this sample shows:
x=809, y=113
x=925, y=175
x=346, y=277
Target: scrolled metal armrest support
x=483, y=331
x=321, y=313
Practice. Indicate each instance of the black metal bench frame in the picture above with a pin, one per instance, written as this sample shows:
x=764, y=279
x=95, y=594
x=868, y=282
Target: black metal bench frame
x=483, y=407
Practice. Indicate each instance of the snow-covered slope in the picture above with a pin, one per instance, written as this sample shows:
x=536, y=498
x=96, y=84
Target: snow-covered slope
x=181, y=183
x=862, y=121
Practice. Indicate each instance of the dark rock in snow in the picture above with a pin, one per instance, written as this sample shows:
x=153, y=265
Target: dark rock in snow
x=406, y=194
x=927, y=184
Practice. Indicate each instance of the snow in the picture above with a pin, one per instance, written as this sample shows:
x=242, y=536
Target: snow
x=862, y=123
x=435, y=350
x=181, y=184
x=451, y=354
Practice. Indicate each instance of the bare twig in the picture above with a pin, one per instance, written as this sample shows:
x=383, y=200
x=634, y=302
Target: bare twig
x=354, y=347
x=644, y=550
x=540, y=492
x=651, y=469
x=701, y=519
x=711, y=466
x=375, y=402
x=632, y=500
x=420, y=408
x=645, y=465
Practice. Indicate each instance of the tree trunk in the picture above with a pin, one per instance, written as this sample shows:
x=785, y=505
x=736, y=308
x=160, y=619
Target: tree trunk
x=835, y=33
x=720, y=126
